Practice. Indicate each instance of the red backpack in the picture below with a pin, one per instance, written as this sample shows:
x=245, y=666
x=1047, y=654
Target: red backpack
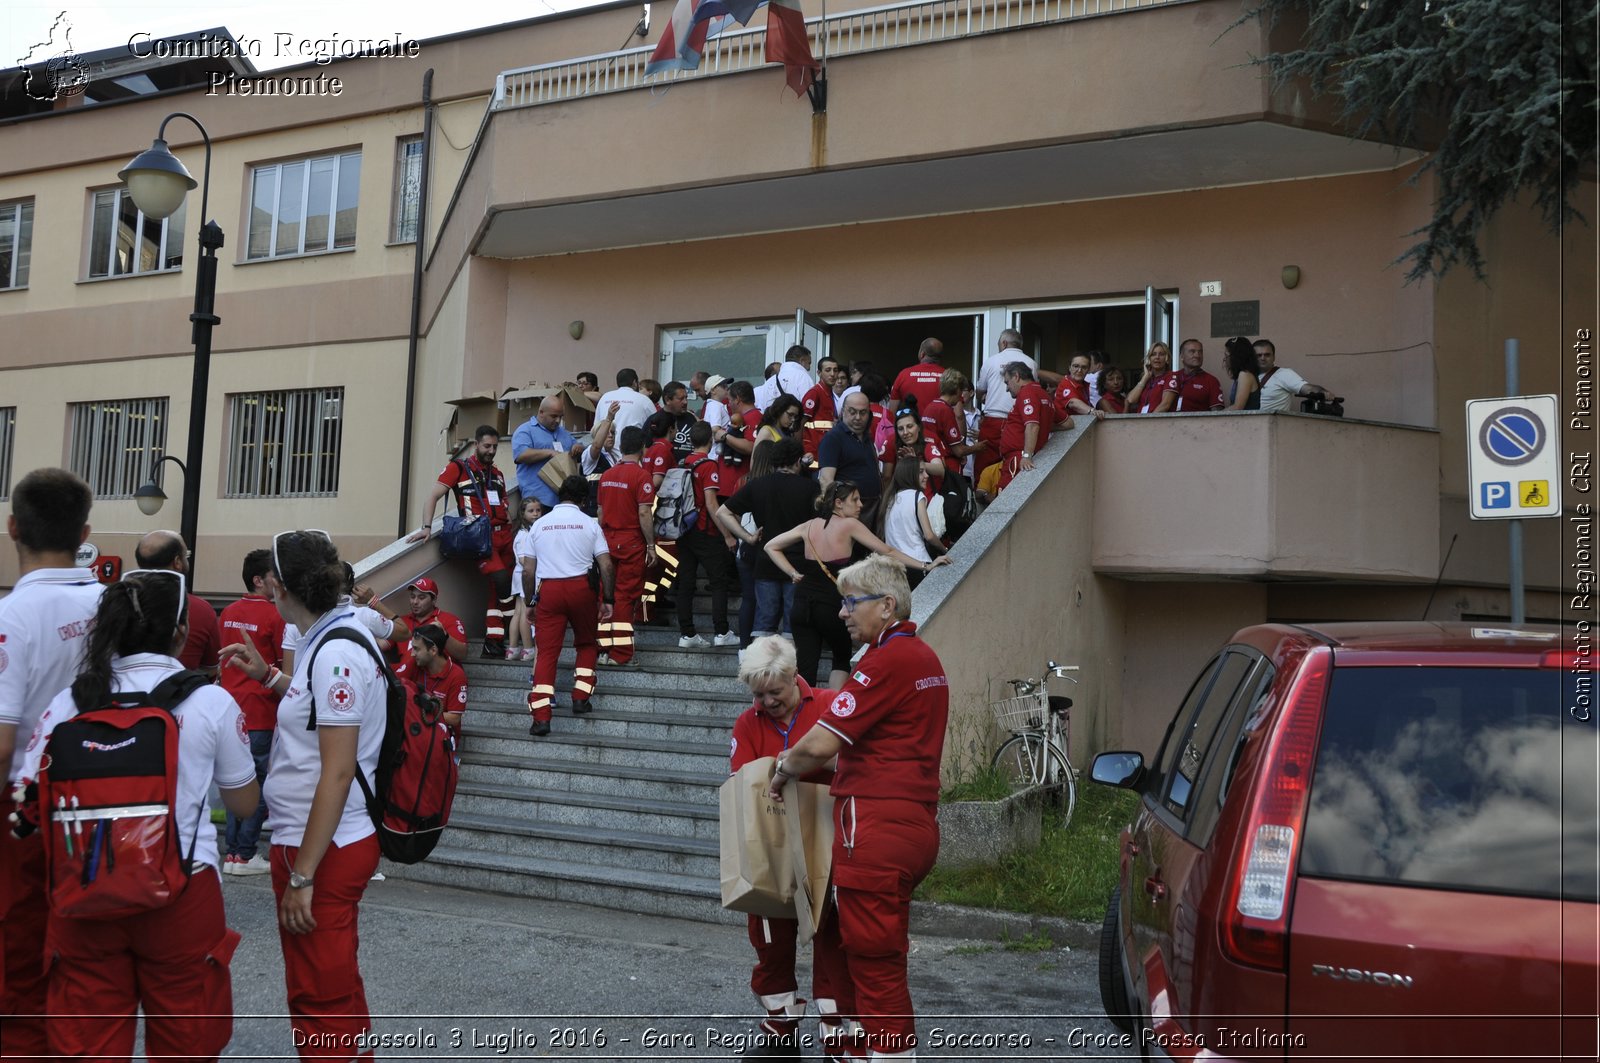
x=107, y=791
x=410, y=799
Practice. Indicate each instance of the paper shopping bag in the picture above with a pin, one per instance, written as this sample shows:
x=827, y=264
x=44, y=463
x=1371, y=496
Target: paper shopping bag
x=770, y=868
x=555, y=471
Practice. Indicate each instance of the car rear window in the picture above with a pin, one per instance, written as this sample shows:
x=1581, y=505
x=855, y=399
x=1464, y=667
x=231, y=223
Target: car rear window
x=1453, y=777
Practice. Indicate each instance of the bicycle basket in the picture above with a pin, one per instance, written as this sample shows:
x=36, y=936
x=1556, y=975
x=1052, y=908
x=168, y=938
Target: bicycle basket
x=1018, y=714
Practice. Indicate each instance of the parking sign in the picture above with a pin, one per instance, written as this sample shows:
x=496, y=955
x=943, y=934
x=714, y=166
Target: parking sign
x=1514, y=457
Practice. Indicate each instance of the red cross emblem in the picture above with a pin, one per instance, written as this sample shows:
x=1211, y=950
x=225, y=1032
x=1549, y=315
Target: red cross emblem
x=342, y=696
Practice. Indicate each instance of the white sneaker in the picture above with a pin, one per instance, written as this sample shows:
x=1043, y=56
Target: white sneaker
x=727, y=638
x=256, y=865
x=692, y=642
x=377, y=876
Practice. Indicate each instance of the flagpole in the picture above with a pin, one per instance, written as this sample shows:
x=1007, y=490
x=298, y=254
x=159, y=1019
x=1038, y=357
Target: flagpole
x=819, y=86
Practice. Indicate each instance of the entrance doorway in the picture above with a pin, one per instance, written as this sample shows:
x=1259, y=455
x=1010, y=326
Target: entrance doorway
x=1053, y=336
x=891, y=345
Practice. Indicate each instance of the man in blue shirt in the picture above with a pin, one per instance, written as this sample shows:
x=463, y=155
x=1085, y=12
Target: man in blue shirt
x=535, y=443
x=846, y=453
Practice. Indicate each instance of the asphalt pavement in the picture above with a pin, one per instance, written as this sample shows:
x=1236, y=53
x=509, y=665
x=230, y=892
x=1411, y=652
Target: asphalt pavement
x=455, y=974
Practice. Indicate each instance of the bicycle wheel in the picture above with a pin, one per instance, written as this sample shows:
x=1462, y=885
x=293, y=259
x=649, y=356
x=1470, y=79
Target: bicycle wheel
x=1025, y=761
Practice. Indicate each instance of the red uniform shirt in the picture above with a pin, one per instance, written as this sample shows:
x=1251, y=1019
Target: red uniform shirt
x=453, y=627
x=735, y=464
x=200, y=649
x=919, y=380
x=1154, y=391
x=257, y=619
x=931, y=451
x=1113, y=403
x=1031, y=407
x=658, y=458
x=1071, y=389
x=705, y=473
x=939, y=424
x=623, y=489
x=891, y=715
x=757, y=735
x=816, y=414
x=1197, y=392
x=477, y=486
x=450, y=686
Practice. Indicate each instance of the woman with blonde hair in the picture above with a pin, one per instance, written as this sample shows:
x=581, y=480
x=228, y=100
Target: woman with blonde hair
x=1150, y=393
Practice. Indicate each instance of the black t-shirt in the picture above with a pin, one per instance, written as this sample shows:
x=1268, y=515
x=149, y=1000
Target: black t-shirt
x=778, y=502
x=681, y=447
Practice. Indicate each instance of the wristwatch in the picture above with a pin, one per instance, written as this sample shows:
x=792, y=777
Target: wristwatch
x=297, y=881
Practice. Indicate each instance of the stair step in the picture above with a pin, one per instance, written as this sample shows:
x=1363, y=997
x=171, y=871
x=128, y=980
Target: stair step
x=580, y=745
x=702, y=679
x=606, y=723
x=643, y=785
x=611, y=846
x=628, y=889
x=669, y=818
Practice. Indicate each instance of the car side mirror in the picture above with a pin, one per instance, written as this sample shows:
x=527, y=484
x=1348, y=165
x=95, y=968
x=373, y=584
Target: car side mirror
x=1125, y=770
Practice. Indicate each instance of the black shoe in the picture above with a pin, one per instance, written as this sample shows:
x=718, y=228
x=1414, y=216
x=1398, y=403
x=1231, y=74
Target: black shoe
x=494, y=649
x=581, y=706
x=772, y=1046
x=539, y=728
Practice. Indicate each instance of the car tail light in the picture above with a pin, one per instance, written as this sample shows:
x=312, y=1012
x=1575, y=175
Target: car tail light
x=1262, y=875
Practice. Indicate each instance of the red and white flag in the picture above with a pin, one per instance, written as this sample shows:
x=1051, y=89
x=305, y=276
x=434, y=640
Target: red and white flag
x=788, y=44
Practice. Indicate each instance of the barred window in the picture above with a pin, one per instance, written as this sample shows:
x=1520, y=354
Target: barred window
x=305, y=206
x=117, y=442
x=16, y=243
x=285, y=444
x=8, y=435
x=407, y=190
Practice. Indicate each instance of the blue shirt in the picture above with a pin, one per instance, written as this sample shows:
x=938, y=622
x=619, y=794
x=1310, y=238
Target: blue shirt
x=536, y=436
x=851, y=458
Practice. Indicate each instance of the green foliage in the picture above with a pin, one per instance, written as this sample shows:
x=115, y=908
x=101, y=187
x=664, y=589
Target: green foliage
x=984, y=784
x=1029, y=942
x=1502, y=91
x=1070, y=874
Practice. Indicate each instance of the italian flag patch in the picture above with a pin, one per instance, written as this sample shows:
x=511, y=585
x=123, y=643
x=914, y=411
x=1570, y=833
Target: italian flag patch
x=341, y=673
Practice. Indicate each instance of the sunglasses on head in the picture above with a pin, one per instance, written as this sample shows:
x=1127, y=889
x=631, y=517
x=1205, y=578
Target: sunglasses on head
x=278, y=568
x=151, y=575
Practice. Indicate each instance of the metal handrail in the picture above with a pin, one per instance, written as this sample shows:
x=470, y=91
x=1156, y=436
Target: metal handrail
x=870, y=29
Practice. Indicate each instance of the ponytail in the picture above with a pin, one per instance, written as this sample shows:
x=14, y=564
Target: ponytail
x=837, y=490
x=140, y=614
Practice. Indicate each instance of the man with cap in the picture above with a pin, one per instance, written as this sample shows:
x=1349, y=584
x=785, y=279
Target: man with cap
x=425, y=610
x=715, y=411
x=565, y=543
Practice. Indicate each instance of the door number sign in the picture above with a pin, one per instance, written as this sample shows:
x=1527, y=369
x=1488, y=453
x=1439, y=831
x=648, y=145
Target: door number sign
x=1512, y=459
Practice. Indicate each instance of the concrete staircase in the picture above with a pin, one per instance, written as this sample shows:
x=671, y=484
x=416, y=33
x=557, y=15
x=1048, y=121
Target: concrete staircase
x=617, y=808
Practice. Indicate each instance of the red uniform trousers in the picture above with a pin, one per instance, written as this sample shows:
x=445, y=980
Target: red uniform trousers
x=882, y=847
x=498, y=566
x=989, y=429
x=568, y=600
x=772, y=979
x=327, y=999
x=658, y=580
x=172, y=962
x=627, y=554
x=1012, y=466
x=24, y=917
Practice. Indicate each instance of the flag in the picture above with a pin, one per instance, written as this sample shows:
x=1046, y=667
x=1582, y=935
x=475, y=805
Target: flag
x=693, y=23
x=787, y=44
x=341, y=673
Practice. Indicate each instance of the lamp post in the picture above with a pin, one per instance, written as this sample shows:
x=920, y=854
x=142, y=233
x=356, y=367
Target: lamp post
x=150, y=497
x=158, y=182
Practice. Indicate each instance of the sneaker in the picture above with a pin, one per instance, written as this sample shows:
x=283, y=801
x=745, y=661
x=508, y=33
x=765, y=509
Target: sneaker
x=539, y=728
x=581, y=706
x=256, y=865
x=727, y=638
x=231, y=863
x=692, y=642
x=606, y=662
x=377, y=876
x=527, y=654
x=494, y=649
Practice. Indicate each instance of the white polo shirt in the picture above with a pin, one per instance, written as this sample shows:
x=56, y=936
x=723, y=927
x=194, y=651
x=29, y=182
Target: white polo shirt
x=636, y=409
x=44, y=624
x=1281, y=389
x=564, y=543
x=992, y=382
x=794, y=380
x=213, y=745
x=365, y=616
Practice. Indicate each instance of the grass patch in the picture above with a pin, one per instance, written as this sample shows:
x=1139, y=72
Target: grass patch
x=988, y=784
x=1070, y=874
x=1029, y=942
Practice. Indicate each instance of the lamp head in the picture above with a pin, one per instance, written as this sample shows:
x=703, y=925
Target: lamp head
x=149, y=499
x=157, y=180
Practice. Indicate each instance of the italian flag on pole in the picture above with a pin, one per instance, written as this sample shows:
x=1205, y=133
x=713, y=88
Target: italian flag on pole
x=787, y=44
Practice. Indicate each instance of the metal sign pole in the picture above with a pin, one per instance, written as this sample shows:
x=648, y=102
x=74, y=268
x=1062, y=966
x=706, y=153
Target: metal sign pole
x=1519, y=613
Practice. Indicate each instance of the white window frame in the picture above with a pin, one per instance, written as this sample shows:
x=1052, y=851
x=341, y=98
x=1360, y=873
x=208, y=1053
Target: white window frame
x=110, y=240
x=21, y=215
x=8, y=438
x=339, y=161
x=405, y=209
x=285, y=444
x=116, y=443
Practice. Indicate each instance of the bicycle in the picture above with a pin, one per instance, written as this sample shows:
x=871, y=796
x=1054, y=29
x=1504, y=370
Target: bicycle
x=1041, y=725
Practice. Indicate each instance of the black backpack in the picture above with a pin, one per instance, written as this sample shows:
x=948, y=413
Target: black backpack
x=960, y=505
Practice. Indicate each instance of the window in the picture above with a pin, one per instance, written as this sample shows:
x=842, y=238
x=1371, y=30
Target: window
x=16, y=243
x=305, y=206
x=123, y=242
x=8, y=435
x=117, y=442
x=407, y=191
x=1194, y=737
x=285, y=444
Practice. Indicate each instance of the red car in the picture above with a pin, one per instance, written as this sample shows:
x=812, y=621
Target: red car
x=1365, y=840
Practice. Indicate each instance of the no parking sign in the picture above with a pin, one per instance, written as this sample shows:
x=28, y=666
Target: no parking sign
x=1513, y=460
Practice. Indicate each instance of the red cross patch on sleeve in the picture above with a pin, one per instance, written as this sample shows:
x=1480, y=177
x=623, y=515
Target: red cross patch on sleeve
x=342, y=696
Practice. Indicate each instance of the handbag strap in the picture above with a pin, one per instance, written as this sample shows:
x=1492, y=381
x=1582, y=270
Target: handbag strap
x=826, y=571
x=477, y=490
x=802, y=874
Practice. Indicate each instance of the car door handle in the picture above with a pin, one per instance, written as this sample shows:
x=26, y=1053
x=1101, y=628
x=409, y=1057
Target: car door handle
x=1155, y=888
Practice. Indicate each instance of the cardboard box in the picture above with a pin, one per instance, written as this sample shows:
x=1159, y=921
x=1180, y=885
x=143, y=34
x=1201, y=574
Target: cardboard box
x=521, y=404
x=483, y=407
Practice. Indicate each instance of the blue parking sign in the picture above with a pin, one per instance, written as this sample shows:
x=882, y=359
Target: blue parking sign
x=1495, y=495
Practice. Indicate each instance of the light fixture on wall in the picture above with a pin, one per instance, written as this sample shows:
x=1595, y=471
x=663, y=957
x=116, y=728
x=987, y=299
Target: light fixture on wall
x=1291, y=276
x=575, y=330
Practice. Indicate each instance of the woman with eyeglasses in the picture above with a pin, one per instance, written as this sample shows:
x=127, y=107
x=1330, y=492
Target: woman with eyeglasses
x=172, y=961
x=831, y=541
x=324, y=846
x=886, y=727
x=781, y=419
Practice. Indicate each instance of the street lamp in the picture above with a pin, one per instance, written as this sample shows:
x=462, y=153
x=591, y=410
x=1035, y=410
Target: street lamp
x=150, y=496
x=158, y=182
